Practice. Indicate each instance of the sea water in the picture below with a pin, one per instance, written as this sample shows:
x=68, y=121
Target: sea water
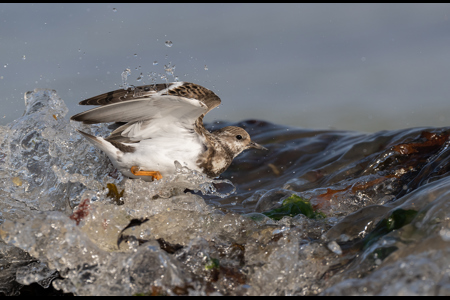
x=321, y=212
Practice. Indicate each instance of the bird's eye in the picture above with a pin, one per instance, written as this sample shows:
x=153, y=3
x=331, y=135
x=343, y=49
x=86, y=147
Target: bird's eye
x=239, y=137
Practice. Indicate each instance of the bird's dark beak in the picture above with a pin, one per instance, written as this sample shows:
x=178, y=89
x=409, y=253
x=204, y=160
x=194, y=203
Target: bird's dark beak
x=257, y=146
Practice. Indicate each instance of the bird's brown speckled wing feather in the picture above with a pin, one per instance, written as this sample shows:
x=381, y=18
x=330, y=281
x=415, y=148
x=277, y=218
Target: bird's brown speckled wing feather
x=182, y=89
x=138, y=109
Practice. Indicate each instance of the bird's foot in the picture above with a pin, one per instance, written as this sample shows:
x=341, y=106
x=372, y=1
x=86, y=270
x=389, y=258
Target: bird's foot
x=137, y=171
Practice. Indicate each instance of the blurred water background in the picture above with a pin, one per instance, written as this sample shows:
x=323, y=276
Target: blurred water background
x=363, y=67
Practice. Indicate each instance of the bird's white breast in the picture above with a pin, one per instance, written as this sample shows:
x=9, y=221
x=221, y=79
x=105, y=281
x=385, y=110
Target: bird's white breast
x=159, y=152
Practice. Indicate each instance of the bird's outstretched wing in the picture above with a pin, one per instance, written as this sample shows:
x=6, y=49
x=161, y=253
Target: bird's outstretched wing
x=150, y=109
x=182, y=89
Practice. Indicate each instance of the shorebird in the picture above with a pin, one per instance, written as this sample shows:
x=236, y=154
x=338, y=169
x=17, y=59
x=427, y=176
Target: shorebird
x=160, y=124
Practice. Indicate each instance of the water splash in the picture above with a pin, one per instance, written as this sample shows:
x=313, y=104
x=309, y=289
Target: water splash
x=169, y=68
x=152, y=77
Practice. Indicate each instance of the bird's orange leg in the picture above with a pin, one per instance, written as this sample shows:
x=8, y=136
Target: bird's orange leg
x=155, y=174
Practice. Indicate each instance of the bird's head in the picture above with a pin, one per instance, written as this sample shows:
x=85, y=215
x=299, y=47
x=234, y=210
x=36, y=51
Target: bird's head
x=237, y=139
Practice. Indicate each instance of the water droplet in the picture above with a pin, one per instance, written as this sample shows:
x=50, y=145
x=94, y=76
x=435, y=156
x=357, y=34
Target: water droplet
x=126, y=71
x=169, y=43
x=139, y=78
x=206, y=68
x=5, y=65
x=79, y=50
x=135, y=55
x=152, y=77
x=114, y=9
x=169, y=68
x=155, y=63
x=125, y=74
x=24, y=57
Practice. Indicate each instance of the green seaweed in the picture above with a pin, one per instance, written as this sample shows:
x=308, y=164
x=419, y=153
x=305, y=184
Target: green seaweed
x=292, y=206
x=213, y=263
x=397, y=219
